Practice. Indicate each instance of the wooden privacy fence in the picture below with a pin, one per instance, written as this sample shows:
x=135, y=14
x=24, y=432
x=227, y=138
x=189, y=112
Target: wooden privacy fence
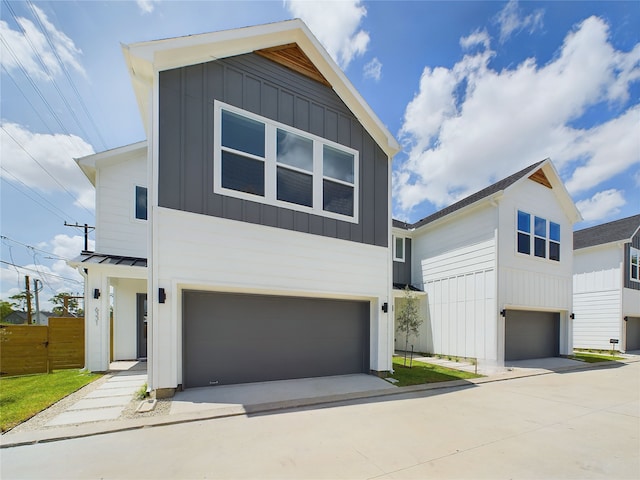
x=26, y=349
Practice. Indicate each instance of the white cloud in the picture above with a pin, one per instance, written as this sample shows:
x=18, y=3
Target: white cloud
x=336, y=25
x=146, y=6
x=510, y=20
x=373, y=70
x=479, y=37
x=31, y=49
x=470, y=125
x=602, y=205
x=55, y=153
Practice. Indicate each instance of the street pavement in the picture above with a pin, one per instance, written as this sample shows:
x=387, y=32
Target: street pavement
x=571, y=424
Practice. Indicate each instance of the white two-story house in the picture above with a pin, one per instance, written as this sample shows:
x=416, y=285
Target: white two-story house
x=264, y=254
x=495, y=269
x=606, y=285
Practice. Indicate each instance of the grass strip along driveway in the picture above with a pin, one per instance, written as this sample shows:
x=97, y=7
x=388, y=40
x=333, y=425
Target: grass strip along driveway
x=22, y=397
x=425, y=373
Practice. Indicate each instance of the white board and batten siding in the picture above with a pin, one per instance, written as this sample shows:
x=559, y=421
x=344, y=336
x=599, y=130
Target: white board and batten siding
x=119, y=232
x=226, y=255
x=597, y=296
x=456, y=263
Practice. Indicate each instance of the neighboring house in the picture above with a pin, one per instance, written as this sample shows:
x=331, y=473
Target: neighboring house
x=606, y=285
x=496, y=268
x=20, y=318
x=265, y=250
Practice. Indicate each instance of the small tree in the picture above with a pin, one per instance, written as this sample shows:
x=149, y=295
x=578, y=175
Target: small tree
x=20, y=301
x=408, y=318
x=5, y=309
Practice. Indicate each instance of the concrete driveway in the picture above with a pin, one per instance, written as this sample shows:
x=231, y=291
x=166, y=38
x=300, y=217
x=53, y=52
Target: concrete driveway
x=575, y=424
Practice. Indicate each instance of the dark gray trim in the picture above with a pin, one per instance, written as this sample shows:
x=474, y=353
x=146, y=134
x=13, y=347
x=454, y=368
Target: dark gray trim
x=263, y=87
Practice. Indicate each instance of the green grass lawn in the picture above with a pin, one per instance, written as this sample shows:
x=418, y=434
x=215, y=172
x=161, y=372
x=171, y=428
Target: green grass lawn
x=425, y=373
x=594, y=357
x=22, y=397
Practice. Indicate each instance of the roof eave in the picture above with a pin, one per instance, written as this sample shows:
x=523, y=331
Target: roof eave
x=144, y=59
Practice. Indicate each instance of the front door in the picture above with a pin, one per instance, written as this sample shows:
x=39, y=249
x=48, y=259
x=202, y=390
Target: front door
x=142, y=324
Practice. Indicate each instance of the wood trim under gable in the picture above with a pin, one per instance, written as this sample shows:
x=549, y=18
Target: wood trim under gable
x=292, y=57
x=539, y=177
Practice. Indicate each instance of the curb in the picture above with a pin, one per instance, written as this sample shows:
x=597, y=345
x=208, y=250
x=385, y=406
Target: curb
x=101, y=428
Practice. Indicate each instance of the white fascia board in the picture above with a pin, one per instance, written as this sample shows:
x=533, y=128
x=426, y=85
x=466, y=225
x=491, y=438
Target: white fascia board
x=91, y=163
x=401, y=232
x=560, y=191
x=146, y=58
x=601, y=246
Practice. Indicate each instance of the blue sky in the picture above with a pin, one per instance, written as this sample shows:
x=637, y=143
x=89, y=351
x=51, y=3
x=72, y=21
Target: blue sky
x=473, y=91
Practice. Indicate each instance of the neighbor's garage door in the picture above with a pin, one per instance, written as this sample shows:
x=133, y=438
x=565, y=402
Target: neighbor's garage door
x=531, y=335
x=633, y=334
x=237, y=338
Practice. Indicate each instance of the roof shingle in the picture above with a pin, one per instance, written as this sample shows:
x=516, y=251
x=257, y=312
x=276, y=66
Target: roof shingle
x=615, y=231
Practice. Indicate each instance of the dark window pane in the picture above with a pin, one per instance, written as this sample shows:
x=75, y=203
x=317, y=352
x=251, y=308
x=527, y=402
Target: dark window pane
x=400, y=248
x=242, y=134
x=554, y=232
x=337, y=198
x=524, y=222
x=337, y=164
x=540, y=247
x=141, y=203
x=634, y=272
x=554, y=251
x=242, y=174
x=524, y=243
x=541, y=227
x=295, y=150
x=295, y=187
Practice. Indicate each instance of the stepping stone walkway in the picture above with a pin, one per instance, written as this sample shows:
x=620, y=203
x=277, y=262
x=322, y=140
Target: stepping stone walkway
x=106, y=402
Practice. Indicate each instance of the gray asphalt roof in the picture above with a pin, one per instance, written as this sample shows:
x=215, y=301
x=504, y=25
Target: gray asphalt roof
x=615, y=231
x=485, y=192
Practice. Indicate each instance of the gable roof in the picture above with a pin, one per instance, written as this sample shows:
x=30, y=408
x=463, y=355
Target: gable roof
x=300, y=50
x=621, y=230
x=91, y=163
x=542, y=172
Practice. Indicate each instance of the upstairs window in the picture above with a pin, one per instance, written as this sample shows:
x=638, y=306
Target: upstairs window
x=634, y=259
x=398, y=249
x=262, y=160
x=538, y=236
x=141, y=203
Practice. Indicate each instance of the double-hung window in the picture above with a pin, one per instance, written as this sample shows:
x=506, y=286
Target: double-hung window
x=537, y=236
x=398, y=249
x=258, y=159
x=634, y=261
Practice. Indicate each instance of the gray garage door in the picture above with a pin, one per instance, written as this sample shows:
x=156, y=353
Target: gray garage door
x=235, y=338
x=633, y=333
x=531, y=335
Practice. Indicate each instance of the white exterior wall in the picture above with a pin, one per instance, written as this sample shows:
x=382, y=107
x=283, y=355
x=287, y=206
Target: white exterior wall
x=455, y=263
x=125, y=325
x=597, y=296
x=225, y=255
x=118, y=232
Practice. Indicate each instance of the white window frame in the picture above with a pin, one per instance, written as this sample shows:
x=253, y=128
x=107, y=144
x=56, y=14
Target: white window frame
x=532, y=236
x=271, y=165
x=396, y=257
x=631, y=277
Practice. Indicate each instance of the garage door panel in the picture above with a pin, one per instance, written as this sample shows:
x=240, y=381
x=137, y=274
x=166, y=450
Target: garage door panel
x=531, y=335
x=236, y=338
x=633, y=333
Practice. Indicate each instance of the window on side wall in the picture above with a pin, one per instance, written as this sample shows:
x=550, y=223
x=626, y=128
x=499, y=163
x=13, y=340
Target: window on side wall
x=634, y=260
x=141, y=203
x=537, y=236
x=398, y=249
x=258, y=159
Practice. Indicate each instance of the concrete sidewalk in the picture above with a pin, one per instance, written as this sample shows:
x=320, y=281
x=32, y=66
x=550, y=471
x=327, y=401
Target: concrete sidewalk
x=96, y=413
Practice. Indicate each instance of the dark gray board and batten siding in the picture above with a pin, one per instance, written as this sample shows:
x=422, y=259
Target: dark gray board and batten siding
x=265, y=88
x=402, y=270
x=635, y=243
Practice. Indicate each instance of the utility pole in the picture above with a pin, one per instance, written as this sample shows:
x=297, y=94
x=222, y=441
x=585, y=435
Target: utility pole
x=86, y=233
x=36, y=290
x=28, y=293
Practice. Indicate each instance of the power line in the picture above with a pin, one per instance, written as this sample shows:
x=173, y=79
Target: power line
x=42, y=273
x=47, y=171
x=31, y=247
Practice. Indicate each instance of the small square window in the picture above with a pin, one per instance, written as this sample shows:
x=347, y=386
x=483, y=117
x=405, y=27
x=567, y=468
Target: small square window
x=540, y=249
x=524, y=243
x=242, y=174
x=337, y=198
x=554, y=232
x=242, y=134
x=141, y=203
x=524, y=222
x=540, y=227
x=295, y=187
x=554, y=251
